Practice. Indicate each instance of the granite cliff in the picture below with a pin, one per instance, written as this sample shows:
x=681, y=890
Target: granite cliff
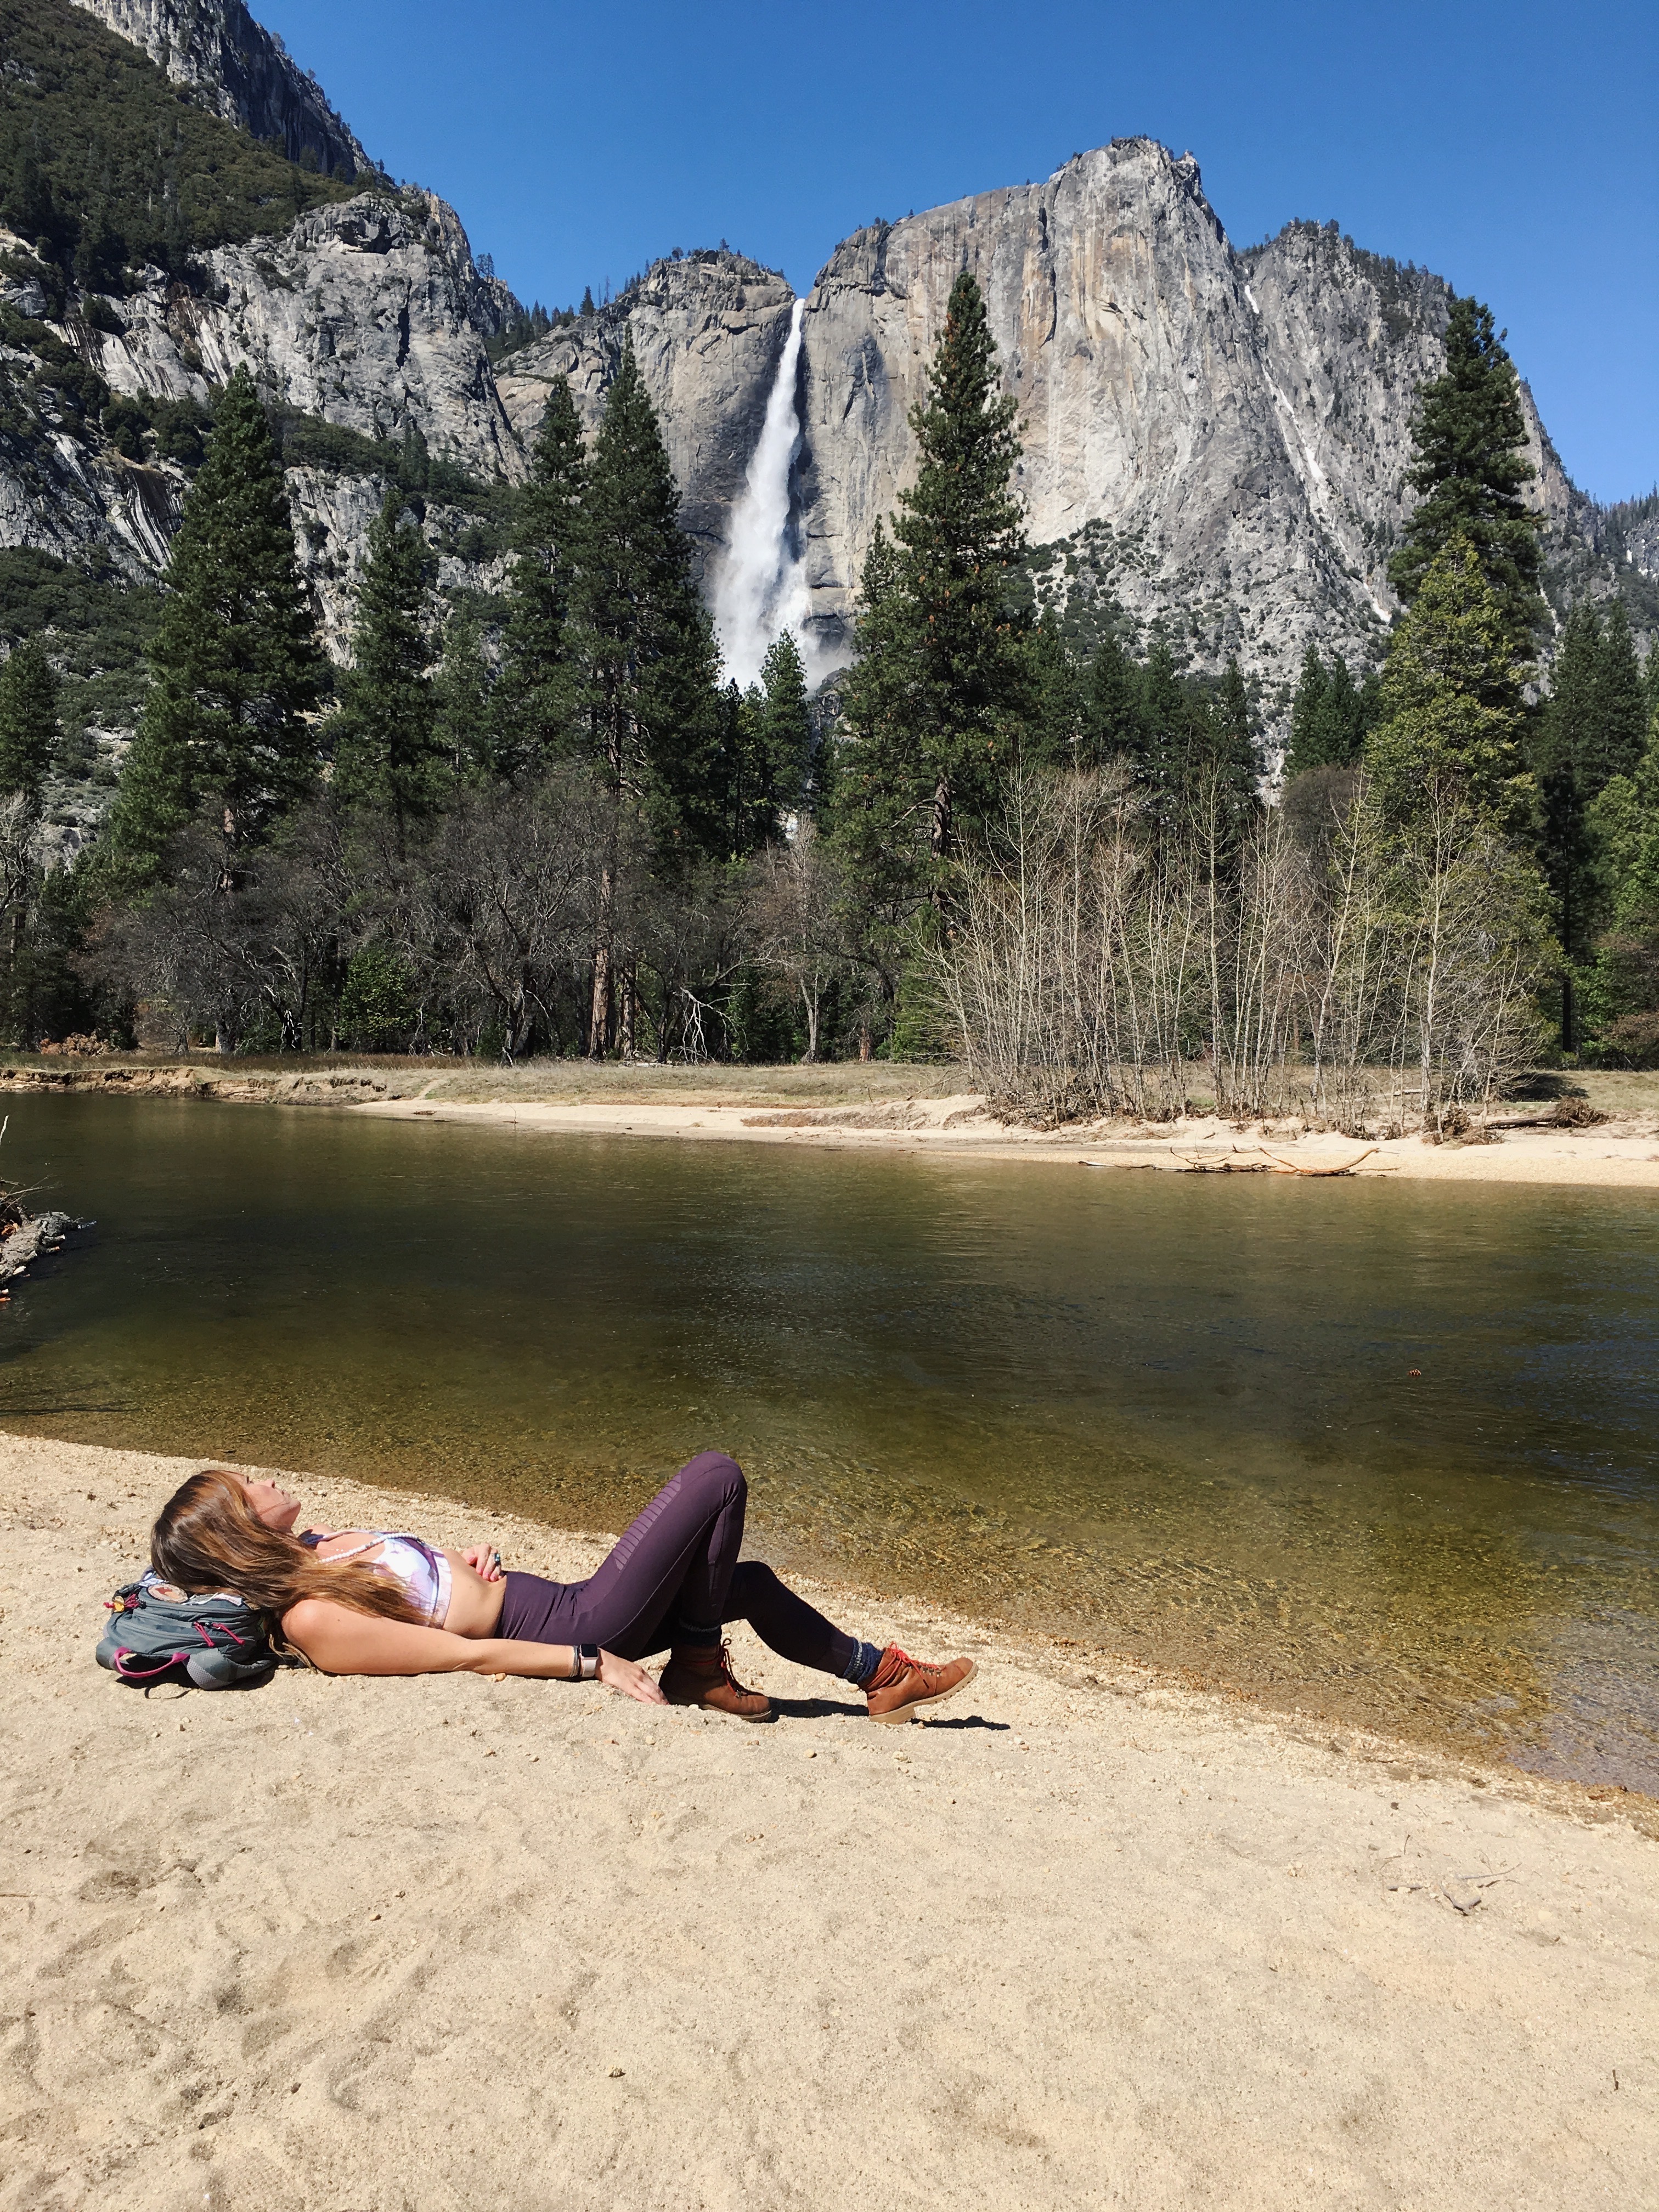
x=239, y=69
x=709, y=330
x=1214, y=439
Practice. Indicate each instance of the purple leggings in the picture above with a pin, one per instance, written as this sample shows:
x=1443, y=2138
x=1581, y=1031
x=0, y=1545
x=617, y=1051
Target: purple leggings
x=677, y=1568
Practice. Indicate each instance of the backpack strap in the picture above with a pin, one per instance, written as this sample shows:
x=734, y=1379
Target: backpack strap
x=129, y=1673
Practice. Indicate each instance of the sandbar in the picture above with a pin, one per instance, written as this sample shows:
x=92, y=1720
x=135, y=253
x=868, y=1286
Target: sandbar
x=921, y=1110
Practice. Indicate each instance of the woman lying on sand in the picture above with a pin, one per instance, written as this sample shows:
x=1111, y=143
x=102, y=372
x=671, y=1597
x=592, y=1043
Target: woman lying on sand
x=366, y=1602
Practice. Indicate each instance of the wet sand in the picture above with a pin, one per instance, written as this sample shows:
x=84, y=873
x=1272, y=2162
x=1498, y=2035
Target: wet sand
x=1086, y=1940
x=885, y=1108
x=1622, y=1153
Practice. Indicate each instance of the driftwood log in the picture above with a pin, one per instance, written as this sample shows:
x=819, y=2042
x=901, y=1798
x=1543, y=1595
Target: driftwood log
x=1290, y=1167
x=36, y=1233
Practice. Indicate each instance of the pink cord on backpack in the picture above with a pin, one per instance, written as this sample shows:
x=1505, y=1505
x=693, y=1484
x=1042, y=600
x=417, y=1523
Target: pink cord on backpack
x=142, y=1673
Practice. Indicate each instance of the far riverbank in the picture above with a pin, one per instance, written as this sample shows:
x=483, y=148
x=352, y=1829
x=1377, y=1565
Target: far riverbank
x=886, y=1107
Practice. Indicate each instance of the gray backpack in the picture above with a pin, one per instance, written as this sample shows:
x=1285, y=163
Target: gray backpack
x=159, y=1633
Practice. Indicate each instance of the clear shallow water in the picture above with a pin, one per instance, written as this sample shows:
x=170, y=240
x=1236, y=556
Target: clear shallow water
x=1170, y=1417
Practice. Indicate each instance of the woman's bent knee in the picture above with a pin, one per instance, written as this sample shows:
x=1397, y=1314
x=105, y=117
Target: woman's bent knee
x=752, y=1582
x=715, y=1473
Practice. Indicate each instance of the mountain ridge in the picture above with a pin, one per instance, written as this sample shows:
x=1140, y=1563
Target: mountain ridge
x=1216, y=438
x=215, y=48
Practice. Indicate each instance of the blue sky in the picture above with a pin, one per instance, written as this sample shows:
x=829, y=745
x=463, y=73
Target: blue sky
x=1514, y=148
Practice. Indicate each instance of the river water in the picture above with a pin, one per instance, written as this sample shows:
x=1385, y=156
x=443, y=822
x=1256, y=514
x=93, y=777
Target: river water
x=1173, y=1417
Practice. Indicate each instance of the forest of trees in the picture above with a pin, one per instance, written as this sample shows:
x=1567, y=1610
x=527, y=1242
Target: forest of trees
x=542, y=823
x=155, y=179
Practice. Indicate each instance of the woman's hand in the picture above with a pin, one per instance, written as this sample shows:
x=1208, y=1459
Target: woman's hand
x=625, y=1675
x=485, y=1562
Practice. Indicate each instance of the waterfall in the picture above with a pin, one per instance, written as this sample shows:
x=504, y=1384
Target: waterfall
x=761, y=590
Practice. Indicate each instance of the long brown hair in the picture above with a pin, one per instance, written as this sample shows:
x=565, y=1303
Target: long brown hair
x=208, y=1537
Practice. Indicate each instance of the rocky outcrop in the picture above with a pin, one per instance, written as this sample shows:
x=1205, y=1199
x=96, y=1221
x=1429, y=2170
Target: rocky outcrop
x=1231, y=430
x=360, y=313
x=239, y=70
x=707, y=330
x=366, y=313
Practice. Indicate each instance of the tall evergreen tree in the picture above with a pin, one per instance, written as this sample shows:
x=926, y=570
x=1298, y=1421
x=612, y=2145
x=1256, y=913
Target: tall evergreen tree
x=29, y=727
x=1451, y=697
x=787, y=725
x=467, y=724
x=1057, y=733
x=1565, y=745
x=539, y=689
x=1307, y=747
x=940, y=686
x=1620, y=701
x=1329, y=715
x=388, y=755
x=649, y=708
x=1114, y=721
x=1591, y=731
x=1470, y=471
x=766, y=750
x=1174, y=727
x=236, y=670
x=1228, y=764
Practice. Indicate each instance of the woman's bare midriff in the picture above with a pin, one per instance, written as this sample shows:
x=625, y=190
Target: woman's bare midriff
x=475, y=1605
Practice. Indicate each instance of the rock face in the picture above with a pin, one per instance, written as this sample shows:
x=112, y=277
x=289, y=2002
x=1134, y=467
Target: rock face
x=371, y=314
x=1236, y=426
x=1215, y=440
x=708, y=331
x=239, y=70
x=361, y=314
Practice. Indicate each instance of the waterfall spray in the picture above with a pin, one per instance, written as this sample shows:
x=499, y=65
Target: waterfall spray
x=761, y=591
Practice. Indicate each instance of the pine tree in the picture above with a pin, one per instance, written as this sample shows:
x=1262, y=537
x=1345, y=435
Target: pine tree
x=1115, y=722
x=1307, y=747
x=1471, y=467
x=387, y=752
x=1591, y=731
x=941, y=685
x=875, y=800
x=538, y=682
x=1344, y=722
x=236, y=666
x=1451, y=699
x=1173, y=727
x=1620, y=705
x=647, y=662
x=766, y=749
x=1228, y=763
x=649, y=711
x=787, y=725
x=1565, y=743
x=29, y=728
x=467, y=730
x=1329, y=715
x=1057, y=732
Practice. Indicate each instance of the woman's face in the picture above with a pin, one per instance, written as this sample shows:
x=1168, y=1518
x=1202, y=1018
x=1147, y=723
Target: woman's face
x=272, y=1503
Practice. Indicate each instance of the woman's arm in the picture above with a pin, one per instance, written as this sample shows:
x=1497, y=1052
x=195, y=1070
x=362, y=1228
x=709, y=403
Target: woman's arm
x=341, y=1642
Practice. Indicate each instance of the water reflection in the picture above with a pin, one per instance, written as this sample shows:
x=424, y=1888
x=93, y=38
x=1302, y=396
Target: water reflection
x=1173, y=1417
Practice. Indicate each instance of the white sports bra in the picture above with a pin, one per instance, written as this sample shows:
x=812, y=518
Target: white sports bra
x=423, y=1572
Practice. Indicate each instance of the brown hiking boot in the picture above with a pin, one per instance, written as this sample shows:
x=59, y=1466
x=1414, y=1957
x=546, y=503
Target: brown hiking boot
x=901, y=1685
x=700, y=1674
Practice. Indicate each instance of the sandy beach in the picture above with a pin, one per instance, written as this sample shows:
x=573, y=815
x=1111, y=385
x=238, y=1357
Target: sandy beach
x=1086, y=1940
x=923, y=1110
x=1622, y=1154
